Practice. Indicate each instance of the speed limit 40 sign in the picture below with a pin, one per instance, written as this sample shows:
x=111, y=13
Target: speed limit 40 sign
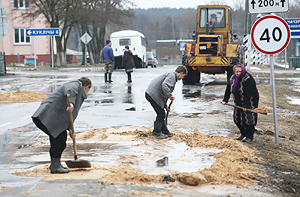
x=270, y=34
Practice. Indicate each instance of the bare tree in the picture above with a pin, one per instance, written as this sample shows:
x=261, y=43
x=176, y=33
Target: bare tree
x=58, y=14
x=95, y=16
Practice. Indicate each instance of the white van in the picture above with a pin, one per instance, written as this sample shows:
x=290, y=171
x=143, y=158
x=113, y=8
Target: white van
x=137, y=45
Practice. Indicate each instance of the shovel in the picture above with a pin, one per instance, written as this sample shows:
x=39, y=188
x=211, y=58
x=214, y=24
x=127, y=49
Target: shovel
x=260, y=110
x=168, y=113
x=75, y=163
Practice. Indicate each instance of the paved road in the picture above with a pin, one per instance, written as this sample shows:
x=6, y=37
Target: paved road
x=108, y=104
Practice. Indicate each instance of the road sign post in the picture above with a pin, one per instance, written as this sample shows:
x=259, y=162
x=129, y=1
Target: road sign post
x=43, y=32
x=3, y=28
x=270, y=35
x=85, y=38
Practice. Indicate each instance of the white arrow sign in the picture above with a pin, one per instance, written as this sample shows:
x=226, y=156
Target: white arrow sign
x=268, y=6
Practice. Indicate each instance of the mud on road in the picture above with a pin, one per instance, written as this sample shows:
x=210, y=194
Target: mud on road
x=280, y=162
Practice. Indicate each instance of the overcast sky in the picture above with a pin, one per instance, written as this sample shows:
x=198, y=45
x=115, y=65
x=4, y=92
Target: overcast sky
x=182, y=3
x=187, y=3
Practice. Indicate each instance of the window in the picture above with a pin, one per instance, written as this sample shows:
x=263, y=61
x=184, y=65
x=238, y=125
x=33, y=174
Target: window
x=124, y=42
x=216, y=17
x=20, y=36
x=143, y=41
x=21, y=4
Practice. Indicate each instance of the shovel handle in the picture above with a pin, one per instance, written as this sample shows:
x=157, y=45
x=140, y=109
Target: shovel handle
x=168, y=112
x=72, y=127
x=238, y=107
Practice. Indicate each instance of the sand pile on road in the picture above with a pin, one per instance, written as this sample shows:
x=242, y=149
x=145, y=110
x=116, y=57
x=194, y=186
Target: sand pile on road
x=21, y=97
x=114, y=134
x=232, y=166
x=140, y=193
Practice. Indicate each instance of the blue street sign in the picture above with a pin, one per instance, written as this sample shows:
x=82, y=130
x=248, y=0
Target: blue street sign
x=42, y=32
x=294, y=25
x=182, y=45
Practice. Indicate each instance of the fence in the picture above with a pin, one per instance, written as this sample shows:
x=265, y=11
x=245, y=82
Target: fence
x=294, y=62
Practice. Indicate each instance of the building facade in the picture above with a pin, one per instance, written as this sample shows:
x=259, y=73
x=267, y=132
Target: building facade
x=18, y=47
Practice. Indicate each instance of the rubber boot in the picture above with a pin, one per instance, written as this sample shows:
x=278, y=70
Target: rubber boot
x=105, y=77
x=109, y=77
x=56, y=167
x=165, y=130
x=157, y=131
x=129, y=77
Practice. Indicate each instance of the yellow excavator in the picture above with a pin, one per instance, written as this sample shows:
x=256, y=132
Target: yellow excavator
x=214, y=49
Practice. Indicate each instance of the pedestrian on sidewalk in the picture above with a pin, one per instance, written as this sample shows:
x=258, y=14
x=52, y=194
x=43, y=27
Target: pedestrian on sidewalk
x=52, y=117
x=128, y=63
x=109, y=61
x=158, y=92
x=242, y=85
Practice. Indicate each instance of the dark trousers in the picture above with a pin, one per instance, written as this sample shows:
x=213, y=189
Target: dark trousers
x=128, y=76
x=58, y=144
x=160, y=115
x=247, y=130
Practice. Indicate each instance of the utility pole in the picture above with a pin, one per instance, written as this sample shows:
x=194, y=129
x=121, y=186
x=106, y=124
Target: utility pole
x=246, y=16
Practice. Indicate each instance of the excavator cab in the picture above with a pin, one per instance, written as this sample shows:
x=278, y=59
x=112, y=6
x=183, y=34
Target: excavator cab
x=214, y=20
x=212, y=17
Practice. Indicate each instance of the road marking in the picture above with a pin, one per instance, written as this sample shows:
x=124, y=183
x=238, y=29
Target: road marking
x=5, y=124
x=26, y=117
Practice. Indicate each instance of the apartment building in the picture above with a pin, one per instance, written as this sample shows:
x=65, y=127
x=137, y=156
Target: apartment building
x=18, y=47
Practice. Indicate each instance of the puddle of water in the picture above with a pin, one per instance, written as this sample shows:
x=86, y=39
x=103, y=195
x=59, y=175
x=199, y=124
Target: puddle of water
x=293, y=100
x=190, y=115
x=189, y=92
x=178, y=157
x=152, y=158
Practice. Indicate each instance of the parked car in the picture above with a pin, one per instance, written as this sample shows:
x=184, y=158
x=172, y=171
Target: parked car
x=151, y=60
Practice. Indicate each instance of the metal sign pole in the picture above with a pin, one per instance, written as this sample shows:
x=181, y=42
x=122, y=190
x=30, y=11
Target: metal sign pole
x=249, y=53
x=2, y=32
x=34, y=53
x=85, y=55
x=285, y=59
x=52, y=59
x=274, y=99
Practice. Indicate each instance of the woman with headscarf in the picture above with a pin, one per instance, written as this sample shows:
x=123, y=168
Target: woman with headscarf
x=243, y=87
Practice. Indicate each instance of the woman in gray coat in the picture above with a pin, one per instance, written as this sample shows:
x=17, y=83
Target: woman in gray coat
x=158, y=92
x=52, y=117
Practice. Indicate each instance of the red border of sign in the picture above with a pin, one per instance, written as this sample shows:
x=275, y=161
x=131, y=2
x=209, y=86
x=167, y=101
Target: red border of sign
x=285, y=24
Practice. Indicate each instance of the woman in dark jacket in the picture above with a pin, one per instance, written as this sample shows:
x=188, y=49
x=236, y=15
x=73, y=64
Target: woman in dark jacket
x=128, y=63
x=243, y=87
x=52, y=117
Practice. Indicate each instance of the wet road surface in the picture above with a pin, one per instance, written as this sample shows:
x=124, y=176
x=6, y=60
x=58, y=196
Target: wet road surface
x=116, y=104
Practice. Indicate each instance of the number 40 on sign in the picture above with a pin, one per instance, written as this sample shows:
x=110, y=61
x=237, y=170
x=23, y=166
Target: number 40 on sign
x=270, y=34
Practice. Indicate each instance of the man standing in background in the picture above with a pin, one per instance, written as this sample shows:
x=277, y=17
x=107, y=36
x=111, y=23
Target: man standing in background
x=109, y=60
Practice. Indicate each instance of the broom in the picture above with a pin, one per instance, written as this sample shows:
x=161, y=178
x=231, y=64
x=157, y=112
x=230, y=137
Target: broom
x=260, y=110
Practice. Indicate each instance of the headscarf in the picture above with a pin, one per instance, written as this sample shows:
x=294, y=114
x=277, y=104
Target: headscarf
x=236, y=79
